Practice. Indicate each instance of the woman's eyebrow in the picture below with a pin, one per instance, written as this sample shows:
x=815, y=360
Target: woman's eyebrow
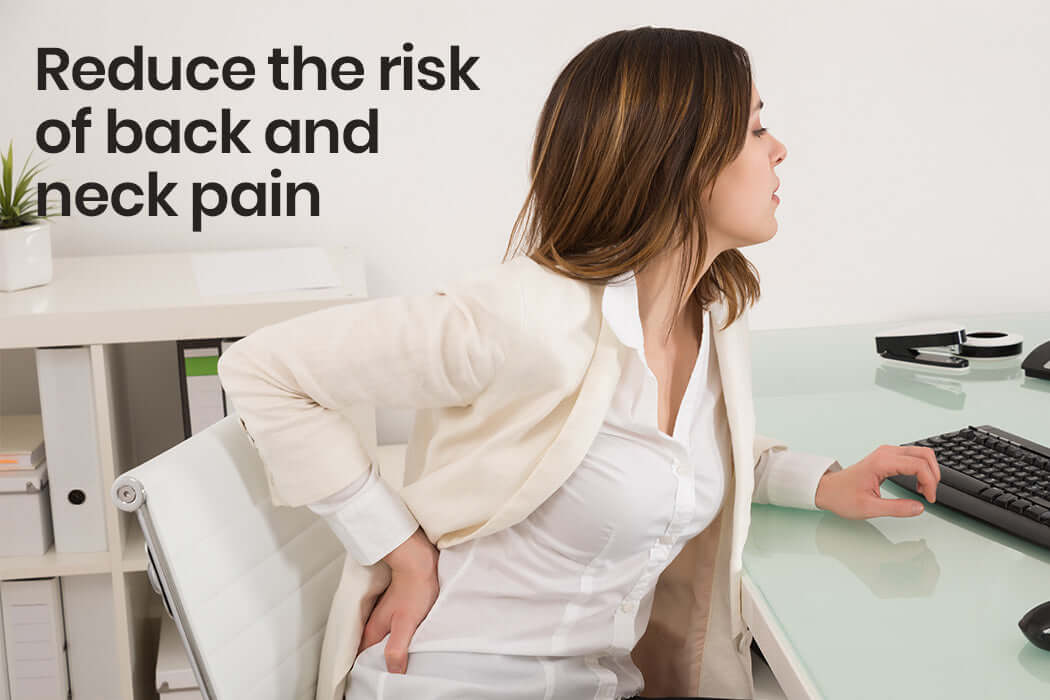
x=761, y=104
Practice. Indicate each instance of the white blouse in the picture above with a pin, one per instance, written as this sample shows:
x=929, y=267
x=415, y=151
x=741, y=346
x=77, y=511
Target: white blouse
x=551, y=607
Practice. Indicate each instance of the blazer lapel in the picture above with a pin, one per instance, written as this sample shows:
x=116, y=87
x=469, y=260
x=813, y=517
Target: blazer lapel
x=734, y=360
x=576, y=434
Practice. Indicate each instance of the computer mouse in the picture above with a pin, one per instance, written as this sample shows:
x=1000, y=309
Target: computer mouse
x=1036, y=625
x=1037, y=364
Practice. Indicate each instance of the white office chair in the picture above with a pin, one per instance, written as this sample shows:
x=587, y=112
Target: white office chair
x=248, y=585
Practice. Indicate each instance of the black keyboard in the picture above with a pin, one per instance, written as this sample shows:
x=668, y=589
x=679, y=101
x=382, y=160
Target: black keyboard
x=990, y=474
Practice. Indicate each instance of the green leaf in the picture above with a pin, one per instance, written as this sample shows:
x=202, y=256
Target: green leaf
x=24, y=167
x=7, y=168
x=17, y=207
x=24, y=183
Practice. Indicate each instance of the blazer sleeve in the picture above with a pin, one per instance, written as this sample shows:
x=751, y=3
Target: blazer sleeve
x=291, y=382
x=367, y=517
x=786, y=477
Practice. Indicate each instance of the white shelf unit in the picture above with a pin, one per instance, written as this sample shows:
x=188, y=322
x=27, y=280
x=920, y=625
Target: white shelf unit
x=105, y=302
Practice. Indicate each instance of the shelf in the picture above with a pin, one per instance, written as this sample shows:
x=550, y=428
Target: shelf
x=54, y=564
x=100, y=299
x=134, y=550
x=104, y=302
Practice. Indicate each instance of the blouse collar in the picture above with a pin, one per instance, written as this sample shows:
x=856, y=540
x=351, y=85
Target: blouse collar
x=620, y=309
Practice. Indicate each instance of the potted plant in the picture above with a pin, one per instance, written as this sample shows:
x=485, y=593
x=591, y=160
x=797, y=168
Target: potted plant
x=25, y=235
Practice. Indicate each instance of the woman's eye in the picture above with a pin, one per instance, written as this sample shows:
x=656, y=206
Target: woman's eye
x=759, y=132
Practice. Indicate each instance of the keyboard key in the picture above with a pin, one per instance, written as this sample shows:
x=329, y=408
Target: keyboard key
x=1004, y=499
x=1039, y=501
x=1035, y=511
x=962, y=482
x=990, y=493
x=1045, y=518
x=1018, y=505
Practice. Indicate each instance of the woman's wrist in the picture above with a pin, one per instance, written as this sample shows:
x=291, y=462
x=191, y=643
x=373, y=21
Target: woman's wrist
x=415, y=557
x=820, y=498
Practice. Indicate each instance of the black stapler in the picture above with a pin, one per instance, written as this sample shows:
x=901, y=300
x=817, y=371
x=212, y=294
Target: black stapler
x=902, y=345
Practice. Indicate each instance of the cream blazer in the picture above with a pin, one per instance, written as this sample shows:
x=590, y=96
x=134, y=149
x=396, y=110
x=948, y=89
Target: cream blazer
x=510, y=373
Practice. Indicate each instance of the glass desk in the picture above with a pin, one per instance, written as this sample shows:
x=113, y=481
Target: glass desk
x=915, y=607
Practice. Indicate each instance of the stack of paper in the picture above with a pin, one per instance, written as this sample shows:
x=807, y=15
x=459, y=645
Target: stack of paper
x=21, y=442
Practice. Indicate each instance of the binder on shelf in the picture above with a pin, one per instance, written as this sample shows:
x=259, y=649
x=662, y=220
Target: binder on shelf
x=226, y=343
x=67, y=405
x=21, y=441
x=203, y=399
x=91, y=637
x=35, y=639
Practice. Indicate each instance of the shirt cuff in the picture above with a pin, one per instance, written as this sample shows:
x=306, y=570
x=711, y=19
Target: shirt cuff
x=794, y=477
x=368, y=517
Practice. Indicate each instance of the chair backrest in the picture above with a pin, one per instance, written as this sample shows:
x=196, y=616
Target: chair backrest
x=249, y=585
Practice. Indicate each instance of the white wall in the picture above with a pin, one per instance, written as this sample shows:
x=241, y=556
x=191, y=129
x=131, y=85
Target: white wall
x=915, y=184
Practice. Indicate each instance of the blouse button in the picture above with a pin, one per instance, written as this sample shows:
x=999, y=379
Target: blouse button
x=628, y=606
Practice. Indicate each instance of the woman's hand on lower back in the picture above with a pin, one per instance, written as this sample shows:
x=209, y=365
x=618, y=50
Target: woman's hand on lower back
x=406, y=601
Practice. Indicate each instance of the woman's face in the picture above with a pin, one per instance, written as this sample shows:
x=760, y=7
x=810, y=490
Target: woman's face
x=740, y=207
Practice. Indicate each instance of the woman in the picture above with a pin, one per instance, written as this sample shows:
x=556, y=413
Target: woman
x=583, y=413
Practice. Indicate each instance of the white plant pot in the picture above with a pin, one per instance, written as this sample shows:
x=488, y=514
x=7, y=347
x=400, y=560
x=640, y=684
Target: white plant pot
x=25, y=256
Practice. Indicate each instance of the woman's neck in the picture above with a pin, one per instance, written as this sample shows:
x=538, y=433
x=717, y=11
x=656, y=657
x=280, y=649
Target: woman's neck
x=656, y=286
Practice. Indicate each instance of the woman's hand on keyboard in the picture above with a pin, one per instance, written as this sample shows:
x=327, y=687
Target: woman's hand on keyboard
x=406, y=601
x=854, y=492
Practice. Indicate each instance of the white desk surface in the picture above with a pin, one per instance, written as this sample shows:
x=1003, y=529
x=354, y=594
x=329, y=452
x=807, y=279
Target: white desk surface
x=921, y=607
x=139, y=298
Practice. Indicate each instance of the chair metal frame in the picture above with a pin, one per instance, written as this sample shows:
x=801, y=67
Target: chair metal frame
x=130, y=496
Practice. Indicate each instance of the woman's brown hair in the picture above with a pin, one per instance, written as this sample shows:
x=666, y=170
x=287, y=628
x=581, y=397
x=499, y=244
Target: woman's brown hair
x=636, y=126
